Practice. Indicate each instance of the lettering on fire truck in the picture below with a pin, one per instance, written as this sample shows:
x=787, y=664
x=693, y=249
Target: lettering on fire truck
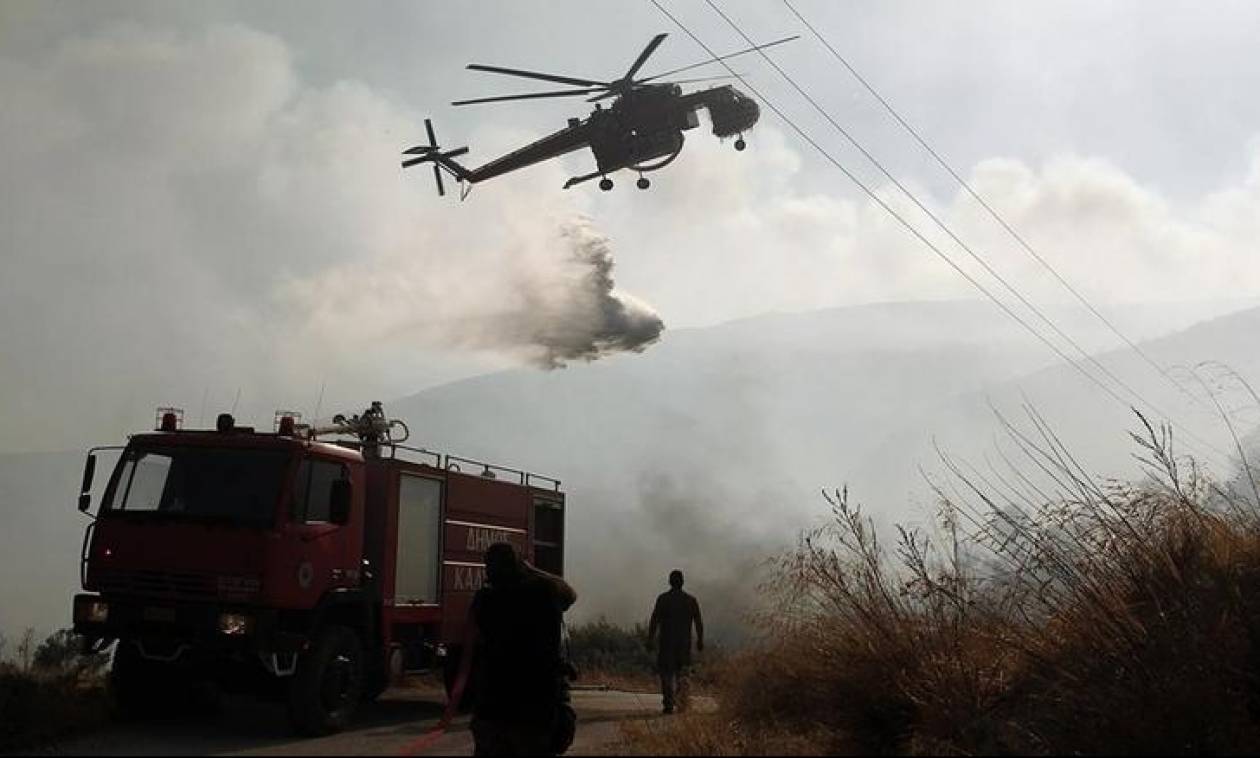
x=467, y=576
x=480, y=538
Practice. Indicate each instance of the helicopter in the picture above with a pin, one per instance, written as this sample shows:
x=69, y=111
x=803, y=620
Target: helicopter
x=641, y=129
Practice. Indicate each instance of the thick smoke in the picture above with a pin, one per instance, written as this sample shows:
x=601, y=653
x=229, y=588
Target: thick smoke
x=577, y=315
x=551, y=299
x=717, y=533
x=281, y=246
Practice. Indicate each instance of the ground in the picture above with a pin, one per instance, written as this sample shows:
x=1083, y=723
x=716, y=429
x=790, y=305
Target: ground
x=387, y=727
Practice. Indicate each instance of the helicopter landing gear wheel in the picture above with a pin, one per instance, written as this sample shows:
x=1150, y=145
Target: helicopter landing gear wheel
x=643, y=183
x=740, y=144
x=605, y=184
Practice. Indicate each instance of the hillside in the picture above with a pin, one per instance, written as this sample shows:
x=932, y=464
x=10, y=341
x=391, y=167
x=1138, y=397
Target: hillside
x=708, y=450
x=712, y=446
x=1092, y=425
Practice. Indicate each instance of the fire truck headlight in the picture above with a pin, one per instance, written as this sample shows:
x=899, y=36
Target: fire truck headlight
x=235, y=623
x=92, y=611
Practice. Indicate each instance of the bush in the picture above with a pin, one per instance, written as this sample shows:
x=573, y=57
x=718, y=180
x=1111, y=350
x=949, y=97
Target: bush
x=694, y=733
x=1055, y=615
x=50, y=691
x=618, y=656
x=606, y=647
x=62, y=651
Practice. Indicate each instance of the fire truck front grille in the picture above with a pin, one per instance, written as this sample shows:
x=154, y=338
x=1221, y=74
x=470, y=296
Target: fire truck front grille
x=156, y=583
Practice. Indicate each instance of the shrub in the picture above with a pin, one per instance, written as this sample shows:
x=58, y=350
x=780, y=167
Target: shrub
x=50, y=691
x=62, y=651
x=618, y=656
x=1046, y=614
x=606, y=647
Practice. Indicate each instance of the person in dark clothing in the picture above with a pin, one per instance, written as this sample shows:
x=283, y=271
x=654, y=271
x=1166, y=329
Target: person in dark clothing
x=520, y=700
x=673, y=616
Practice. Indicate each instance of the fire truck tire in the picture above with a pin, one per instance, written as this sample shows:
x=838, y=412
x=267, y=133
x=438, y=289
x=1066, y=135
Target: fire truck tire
x=377, y=676
x=375, y=691
x=141, y=688
x=328, y=684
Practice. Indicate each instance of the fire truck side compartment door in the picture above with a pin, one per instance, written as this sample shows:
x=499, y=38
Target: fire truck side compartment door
x=549, y=535
x=419, y=540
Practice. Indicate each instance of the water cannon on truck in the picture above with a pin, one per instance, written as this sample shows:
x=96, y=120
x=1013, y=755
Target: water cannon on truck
x=316, y=564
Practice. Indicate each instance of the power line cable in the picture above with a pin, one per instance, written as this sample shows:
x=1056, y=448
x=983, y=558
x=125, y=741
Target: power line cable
x=1089, y=357
x=889, y=209
x=975, y=256
x=989, y=208
x=901, y=219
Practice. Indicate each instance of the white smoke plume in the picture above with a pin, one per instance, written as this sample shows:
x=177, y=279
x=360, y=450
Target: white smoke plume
x=551, y=300
x=579, y=315
x=230, y=224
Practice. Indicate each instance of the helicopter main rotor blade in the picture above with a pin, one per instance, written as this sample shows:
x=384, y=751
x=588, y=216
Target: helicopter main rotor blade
x=437, y=177
x=643, y=56
x=530, y=96
x=428, y=127
x=537, y=75
x=721, y=58
x=614, y=93
x=703, y=79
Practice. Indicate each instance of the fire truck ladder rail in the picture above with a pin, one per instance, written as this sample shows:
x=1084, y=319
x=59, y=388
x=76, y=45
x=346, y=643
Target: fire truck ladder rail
x=549, y=481
x=488, y=470
x=437, y=457
x=452, y=463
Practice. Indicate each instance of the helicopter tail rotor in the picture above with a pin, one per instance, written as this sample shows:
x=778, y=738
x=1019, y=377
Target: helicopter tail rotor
x=442, y=161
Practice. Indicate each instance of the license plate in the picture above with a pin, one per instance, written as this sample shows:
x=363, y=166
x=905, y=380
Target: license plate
x=164, y=615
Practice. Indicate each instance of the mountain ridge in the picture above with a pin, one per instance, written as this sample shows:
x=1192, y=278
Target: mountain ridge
x=709, y=449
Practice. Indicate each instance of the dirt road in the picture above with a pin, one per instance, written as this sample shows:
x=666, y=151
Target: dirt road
x=401, y=716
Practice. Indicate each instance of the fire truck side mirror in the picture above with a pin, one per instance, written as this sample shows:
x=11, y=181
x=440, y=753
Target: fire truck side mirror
x=85, y=491
x=339, y=501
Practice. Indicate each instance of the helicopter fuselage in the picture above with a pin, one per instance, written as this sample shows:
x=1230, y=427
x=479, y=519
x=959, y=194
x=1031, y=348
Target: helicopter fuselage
x=642, y=131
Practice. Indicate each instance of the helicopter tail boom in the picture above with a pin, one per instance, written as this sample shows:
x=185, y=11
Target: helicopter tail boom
x=442, y=161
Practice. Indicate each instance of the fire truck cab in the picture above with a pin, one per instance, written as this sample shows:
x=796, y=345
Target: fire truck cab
x=280, y=564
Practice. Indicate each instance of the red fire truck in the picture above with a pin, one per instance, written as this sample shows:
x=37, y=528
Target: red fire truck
x=280, y=564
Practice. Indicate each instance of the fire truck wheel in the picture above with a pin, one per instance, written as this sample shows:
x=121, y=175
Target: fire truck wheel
x=377, y=676
x=141, y=688
x=328, y=684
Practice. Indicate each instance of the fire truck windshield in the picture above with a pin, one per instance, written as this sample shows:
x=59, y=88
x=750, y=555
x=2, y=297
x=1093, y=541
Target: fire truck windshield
x=224, y=484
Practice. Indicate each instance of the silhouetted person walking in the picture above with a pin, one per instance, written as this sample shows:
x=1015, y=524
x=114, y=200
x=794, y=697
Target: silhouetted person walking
x=673, y=615
x=520, y=695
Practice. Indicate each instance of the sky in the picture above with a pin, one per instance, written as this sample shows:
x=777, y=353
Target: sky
x=203, y=205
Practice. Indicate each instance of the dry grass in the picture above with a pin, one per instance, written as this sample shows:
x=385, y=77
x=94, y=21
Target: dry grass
x=714, y=734
x=617, y=657
x=41, y=707
x=50, y=691
x=1047, y=613
x=625, y=681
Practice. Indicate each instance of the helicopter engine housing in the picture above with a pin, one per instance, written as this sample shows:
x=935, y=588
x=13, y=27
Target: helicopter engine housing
x=732, y=112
